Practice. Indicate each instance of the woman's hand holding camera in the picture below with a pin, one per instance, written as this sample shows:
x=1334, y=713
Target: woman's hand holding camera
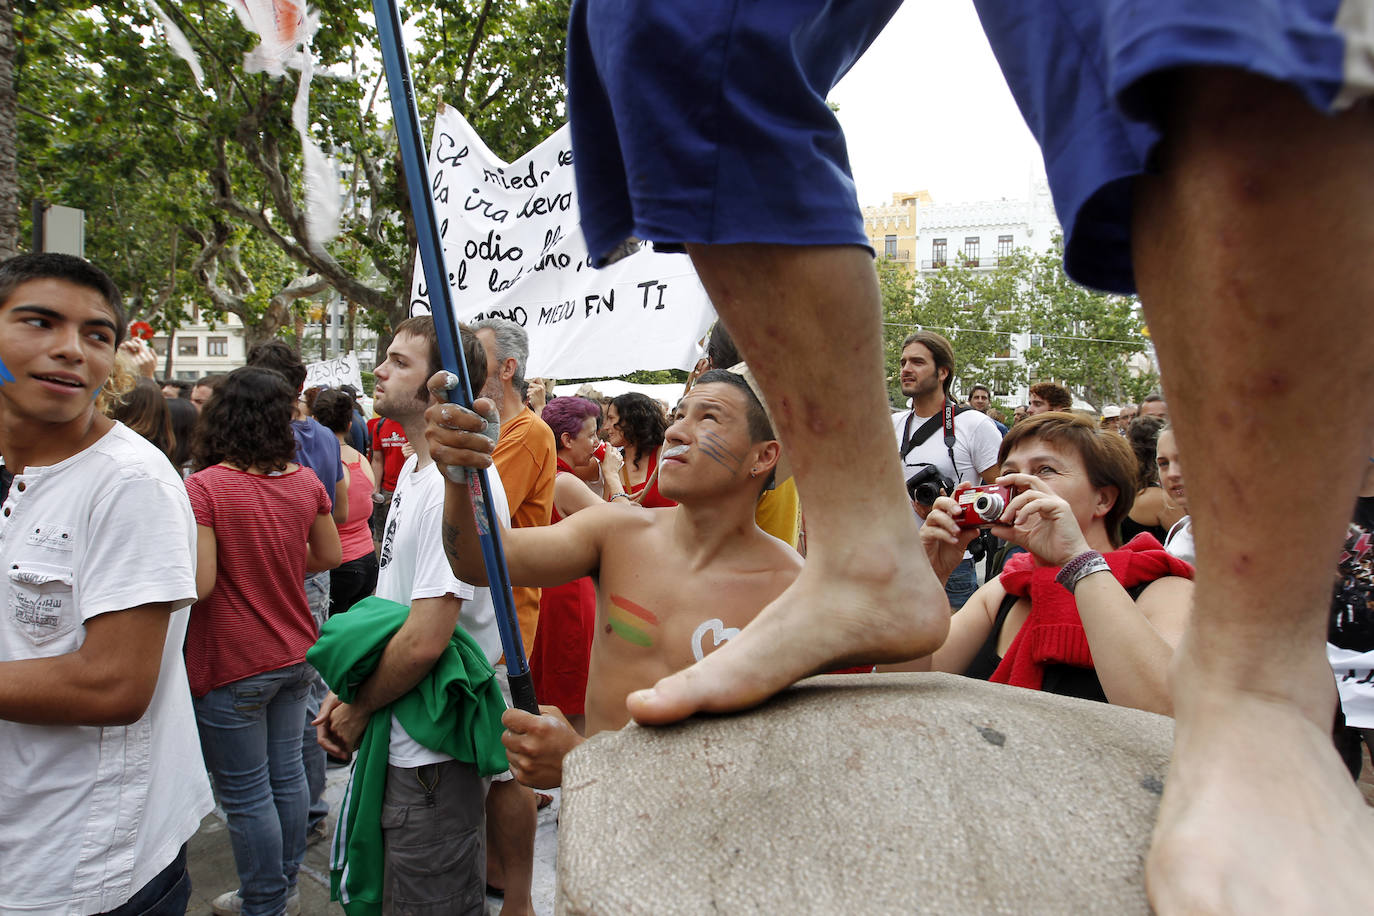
x=1040, y=521
x=944, y=541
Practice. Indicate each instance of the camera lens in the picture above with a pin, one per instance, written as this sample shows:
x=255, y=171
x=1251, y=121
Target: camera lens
x=989, y=506
x=926, y=493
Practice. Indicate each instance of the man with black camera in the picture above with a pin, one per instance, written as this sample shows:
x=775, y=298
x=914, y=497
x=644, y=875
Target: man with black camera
x=941, y=445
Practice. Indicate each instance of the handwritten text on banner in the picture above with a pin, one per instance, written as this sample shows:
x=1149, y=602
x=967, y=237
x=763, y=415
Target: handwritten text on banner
x=514, y=250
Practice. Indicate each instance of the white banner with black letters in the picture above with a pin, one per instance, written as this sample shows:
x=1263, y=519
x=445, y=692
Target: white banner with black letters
x=514, y=249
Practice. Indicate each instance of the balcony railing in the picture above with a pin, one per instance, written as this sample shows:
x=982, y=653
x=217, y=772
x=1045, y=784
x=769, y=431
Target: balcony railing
x=979, y=263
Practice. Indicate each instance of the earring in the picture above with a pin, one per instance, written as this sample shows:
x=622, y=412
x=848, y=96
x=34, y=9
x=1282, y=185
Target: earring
x=754, y=472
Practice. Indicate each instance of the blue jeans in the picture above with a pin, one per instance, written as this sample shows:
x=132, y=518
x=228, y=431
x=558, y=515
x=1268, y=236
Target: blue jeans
x=961, y=584
x=250, y=734
x=168, y=894
x=317, y=587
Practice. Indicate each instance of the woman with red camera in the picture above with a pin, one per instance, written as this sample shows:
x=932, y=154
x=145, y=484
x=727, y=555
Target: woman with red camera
x=1079, y=614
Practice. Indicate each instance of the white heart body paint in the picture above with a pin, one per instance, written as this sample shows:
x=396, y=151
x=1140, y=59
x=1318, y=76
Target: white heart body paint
x=719, y=633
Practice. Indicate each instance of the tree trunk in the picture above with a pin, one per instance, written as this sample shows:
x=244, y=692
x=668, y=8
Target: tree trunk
x=9, y=175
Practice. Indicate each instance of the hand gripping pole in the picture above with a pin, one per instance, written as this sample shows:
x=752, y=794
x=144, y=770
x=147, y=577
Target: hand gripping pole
x=416, y=164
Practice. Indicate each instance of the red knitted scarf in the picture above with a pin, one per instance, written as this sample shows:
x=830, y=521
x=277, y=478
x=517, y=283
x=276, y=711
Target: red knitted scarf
x=1053, y=632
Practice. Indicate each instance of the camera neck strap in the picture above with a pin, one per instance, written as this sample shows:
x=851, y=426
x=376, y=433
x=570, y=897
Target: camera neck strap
x=944, y=418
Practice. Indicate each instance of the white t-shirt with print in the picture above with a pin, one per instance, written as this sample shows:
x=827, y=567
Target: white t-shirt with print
x=413, y=566
x=89, y=815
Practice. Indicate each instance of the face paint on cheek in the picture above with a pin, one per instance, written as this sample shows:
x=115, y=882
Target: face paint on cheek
x=713, y=447
x=5, y=375
x=632, y=622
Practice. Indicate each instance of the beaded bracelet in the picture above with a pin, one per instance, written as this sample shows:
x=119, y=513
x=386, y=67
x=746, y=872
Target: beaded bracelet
x=1085, y=564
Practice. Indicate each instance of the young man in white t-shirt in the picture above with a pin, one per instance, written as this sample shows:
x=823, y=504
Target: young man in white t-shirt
x=101, y=778
x=433, y=814
x=927, y=372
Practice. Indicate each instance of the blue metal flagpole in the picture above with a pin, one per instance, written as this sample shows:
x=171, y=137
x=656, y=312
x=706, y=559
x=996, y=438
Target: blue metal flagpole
x=416, y=164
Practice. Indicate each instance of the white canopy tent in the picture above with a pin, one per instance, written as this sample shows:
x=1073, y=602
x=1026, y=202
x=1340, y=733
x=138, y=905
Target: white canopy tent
x=612, y=388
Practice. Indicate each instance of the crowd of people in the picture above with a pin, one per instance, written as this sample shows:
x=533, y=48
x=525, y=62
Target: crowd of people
x=167, y=631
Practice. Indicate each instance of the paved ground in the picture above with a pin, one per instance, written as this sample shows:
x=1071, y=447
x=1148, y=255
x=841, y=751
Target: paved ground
x=212, y=862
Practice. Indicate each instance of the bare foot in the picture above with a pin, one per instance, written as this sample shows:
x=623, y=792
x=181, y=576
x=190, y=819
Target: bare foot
x=872, y=604
x=1258, y=815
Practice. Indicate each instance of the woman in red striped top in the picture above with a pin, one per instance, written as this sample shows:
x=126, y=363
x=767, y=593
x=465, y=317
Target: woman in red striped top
x=263, y=523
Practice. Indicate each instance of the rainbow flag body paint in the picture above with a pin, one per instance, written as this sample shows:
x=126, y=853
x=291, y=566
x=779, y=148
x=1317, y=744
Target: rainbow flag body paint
x=631, y=622
x=5, y=374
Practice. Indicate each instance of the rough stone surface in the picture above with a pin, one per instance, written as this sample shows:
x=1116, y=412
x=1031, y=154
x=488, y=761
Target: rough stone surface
x=912, y=793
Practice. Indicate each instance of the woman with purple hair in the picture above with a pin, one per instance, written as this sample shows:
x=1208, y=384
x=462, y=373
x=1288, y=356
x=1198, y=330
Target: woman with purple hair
x=567, y=613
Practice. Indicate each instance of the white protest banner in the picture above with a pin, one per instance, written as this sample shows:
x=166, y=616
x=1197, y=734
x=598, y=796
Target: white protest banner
x=514, y=250
x=335, y=373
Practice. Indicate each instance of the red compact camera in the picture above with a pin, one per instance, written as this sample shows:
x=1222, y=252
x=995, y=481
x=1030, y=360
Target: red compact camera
x=980, y=507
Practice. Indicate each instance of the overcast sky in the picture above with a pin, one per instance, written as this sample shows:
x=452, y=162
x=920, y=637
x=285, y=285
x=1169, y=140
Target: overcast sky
x=927, y=107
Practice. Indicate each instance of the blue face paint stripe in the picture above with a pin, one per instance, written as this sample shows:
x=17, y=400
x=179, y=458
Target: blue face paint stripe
x=715, y=447
x=5, y=375
x=711, y=453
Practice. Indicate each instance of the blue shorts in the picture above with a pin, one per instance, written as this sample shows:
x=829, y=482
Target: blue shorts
x=1078, y=70
x=706, y=121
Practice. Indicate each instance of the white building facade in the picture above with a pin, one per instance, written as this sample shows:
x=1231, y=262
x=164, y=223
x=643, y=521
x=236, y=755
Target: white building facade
x=979, y=235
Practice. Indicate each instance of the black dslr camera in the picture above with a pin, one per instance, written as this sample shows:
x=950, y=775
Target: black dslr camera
x=927, y=484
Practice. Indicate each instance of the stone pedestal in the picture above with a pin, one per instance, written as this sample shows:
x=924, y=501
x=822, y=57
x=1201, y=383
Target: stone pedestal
x=875, y=793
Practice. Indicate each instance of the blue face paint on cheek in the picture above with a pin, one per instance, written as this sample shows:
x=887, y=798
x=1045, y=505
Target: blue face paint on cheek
x=5, y=375
x=97, y=392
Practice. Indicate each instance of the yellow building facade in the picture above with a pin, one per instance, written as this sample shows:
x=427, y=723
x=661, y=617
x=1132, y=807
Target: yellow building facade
x=891, y=228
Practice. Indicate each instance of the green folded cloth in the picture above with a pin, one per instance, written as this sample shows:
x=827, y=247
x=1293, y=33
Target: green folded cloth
x=455, y=709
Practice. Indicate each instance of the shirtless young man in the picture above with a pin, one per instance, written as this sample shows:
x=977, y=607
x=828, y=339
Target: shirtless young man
x=672, y=584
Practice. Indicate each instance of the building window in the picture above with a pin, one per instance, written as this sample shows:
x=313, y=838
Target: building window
x=160, y=346
x=938, y=249
x=216, y=346
x=971, y=246
x=1003, y=246
x=890, y=246
x=188, y=346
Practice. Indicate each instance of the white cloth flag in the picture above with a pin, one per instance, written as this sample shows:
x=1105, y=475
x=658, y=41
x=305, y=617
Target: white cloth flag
x=514, y=249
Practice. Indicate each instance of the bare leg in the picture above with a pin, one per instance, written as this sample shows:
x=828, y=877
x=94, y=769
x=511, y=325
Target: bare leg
x=807, y=321
x=1250, y=256
x=511, y=817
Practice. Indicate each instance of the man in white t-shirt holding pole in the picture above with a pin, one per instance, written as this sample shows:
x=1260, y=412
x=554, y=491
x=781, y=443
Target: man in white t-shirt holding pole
x=927, y=372
x=433, y=813
x=101, y=777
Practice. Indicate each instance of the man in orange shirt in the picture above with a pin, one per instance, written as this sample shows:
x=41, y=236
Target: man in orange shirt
x=526, y=458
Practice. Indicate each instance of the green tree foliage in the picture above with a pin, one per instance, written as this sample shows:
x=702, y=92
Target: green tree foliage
x=1087, y=340
x=983, y=313
x=198, y=190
